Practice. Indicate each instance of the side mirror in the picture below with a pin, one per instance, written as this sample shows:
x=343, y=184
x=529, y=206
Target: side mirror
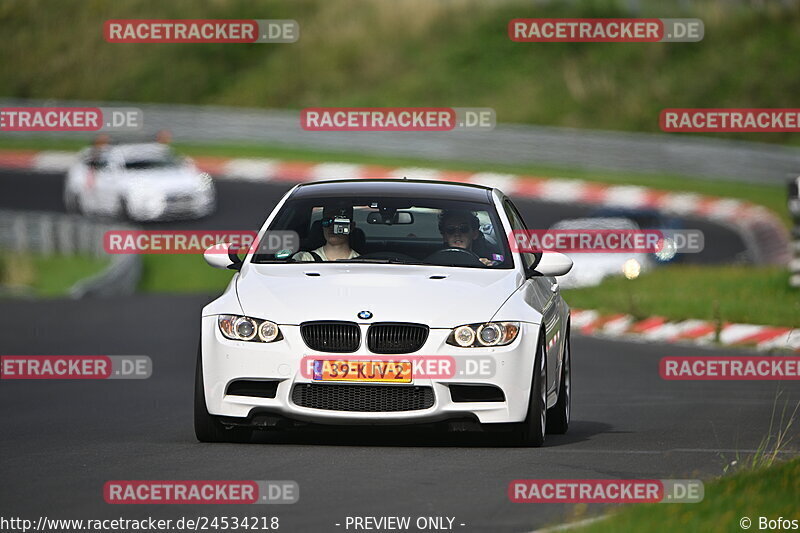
x=553, y=264
x=222, y=256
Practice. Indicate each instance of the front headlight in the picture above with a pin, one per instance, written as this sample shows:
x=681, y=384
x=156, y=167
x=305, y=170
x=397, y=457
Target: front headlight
x=206, y=183
x=242, y=328
x=667, y=250
x=482, y=335
x=631, y=268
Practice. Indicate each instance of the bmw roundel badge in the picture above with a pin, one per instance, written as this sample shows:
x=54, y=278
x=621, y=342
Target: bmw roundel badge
x=364, y=315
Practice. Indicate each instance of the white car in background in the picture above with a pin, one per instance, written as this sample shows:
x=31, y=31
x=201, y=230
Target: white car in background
x=408, y=294
x=589, y=269
x=139, y=182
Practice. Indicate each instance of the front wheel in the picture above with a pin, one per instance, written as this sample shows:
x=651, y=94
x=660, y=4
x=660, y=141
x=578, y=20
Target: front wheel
x=531, y=431
x=558, y=415
x=207, y=427
x=123, y=211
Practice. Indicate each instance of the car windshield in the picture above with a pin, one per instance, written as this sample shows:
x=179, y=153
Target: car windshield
x=153, y=163
x=391, y=230
x=148, y=157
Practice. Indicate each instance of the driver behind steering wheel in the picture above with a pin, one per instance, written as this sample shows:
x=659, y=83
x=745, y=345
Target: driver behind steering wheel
x=337, y=224
x=460, y=229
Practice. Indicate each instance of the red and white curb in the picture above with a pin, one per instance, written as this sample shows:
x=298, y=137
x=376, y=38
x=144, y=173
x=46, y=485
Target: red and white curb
x=590, y=322
x=763, y=232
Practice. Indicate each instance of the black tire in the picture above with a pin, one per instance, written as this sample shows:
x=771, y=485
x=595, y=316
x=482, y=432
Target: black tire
x=123, y=213
x=558, y=415
x=531, y=432
x=207, y=427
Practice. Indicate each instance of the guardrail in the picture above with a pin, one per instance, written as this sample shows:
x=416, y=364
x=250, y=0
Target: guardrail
x=681, y=154
x=51, y=234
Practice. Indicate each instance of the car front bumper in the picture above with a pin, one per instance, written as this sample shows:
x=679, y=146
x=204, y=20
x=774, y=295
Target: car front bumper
x=225, y=361
x=172, y=207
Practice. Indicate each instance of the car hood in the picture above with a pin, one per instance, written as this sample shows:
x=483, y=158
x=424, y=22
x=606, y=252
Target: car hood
x=172, y=181
x=286, y=294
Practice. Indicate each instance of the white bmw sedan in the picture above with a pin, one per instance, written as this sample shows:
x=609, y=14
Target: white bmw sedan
x=398, y=302
x=140, y=182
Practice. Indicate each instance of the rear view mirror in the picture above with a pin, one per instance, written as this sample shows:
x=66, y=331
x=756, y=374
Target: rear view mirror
x=399, y=217
x=553, y=264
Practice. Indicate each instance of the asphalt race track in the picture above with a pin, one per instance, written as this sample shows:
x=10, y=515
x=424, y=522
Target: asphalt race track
x=62, y=440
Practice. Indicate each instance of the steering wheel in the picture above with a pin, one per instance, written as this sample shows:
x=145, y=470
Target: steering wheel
x=456, y=257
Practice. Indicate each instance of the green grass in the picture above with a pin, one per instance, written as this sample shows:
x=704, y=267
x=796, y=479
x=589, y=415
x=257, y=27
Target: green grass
x=179, y=273
x=45, y=276
x=750, y=295
x=770, y=493
x=33, y=275
x=414, y=53
x=771, y=196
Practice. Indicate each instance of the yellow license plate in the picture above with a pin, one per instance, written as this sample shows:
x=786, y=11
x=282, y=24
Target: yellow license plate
x=372, y=371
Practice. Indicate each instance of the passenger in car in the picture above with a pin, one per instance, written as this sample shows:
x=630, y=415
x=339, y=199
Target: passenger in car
x=460, y=229
x=337, y=245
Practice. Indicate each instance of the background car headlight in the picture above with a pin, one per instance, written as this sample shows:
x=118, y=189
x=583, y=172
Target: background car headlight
x=205, y=183
x=666, y=249
x=632, y=268
x=485, y=334
x=242, y=328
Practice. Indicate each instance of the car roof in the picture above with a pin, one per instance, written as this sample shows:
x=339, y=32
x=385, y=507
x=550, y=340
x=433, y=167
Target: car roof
x=396, y=187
